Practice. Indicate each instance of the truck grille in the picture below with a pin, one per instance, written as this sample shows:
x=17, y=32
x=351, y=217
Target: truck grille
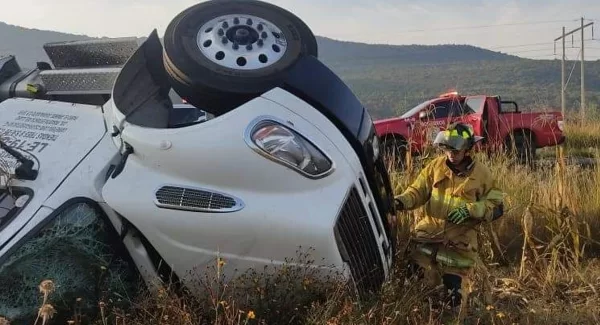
x=175, y=197
x=360, y=248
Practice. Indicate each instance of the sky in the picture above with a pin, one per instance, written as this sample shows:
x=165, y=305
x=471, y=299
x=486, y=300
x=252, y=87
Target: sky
x=525, y=28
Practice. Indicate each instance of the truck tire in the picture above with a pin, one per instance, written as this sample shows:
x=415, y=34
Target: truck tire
x=221, y=54
x=395, y=148
x=524, y=143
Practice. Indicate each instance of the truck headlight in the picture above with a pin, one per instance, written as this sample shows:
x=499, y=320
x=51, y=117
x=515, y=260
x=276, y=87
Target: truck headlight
x=375, y=148
x=286, y=146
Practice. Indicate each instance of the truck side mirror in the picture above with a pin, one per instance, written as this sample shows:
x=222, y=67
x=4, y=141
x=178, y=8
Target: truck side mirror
x=423, y=115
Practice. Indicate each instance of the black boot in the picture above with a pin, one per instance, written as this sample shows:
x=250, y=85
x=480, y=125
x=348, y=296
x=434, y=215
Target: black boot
x=413, y=270
x=453, y=284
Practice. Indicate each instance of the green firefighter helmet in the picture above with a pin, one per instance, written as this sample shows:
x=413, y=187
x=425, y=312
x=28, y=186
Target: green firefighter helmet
x=457, y=136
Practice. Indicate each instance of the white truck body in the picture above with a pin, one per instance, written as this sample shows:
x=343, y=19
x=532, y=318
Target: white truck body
x=179, y=194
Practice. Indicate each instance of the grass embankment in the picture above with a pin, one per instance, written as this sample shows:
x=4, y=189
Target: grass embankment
x=583, y=140
x=542, y=269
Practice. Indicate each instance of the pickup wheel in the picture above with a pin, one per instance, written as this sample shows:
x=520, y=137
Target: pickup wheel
x=395, y=149
x=524, y=146
x=221, y=54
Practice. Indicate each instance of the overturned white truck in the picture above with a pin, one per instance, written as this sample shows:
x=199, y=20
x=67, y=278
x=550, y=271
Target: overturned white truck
x=105, y=171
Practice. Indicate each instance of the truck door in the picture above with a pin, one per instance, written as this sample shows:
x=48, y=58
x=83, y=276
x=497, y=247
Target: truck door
x=431, y=120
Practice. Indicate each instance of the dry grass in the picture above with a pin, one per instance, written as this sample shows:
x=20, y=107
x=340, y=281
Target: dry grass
x=583, y=139
x=541, y=260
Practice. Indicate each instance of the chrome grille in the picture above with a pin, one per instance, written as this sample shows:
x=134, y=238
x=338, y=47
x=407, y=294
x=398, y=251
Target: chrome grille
x=175, y=197
x=79, y=81
x=360, y=250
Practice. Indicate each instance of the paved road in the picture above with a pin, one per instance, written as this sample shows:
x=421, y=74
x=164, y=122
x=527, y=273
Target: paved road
x=581, y=161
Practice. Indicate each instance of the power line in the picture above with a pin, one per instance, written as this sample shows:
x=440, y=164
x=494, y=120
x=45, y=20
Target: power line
x=571, y=73
x=518, y=45
x=527, y=51
x=545, y=49
x=487, y=26
x=531, y=44
x=542, y=56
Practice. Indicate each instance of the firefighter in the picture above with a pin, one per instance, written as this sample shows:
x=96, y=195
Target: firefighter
x=458, y=194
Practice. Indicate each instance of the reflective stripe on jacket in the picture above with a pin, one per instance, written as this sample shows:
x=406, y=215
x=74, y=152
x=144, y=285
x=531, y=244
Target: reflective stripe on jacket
x=440, y=190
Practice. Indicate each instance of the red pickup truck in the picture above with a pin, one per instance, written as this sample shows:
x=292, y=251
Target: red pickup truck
x=500, y=122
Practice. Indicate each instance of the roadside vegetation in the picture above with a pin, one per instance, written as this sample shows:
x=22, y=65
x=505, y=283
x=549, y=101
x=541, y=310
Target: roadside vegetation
x=542, y=264
x=388, y=86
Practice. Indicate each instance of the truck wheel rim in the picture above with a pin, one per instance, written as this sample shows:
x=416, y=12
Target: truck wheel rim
x=242, y=42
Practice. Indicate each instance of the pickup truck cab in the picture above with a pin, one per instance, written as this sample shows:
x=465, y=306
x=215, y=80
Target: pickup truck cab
x=502, y=124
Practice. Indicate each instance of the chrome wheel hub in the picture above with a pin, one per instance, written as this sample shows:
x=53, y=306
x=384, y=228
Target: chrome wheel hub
x=242, y=42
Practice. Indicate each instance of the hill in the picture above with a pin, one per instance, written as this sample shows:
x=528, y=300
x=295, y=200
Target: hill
x=27, y=43
x=336, y=51
x=389, y=79
x=388, y=88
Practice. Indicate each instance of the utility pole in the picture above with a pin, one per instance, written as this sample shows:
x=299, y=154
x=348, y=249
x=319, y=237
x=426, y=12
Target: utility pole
x=582, y=73
x=562, y=86
x=562, y=83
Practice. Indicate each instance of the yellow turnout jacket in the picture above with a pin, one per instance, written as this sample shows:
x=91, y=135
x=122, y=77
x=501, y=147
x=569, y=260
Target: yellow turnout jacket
x=440, y=190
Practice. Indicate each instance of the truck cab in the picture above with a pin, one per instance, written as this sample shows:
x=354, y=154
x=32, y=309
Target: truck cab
x=108, y=182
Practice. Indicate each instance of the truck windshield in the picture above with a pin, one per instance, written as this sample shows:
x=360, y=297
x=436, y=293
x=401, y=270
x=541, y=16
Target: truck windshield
x=474, y=104
x=11, y=203
x=416, y=109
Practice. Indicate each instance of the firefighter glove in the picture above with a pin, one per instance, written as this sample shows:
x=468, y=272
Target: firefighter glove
x=399, y=204
x=459, y=215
